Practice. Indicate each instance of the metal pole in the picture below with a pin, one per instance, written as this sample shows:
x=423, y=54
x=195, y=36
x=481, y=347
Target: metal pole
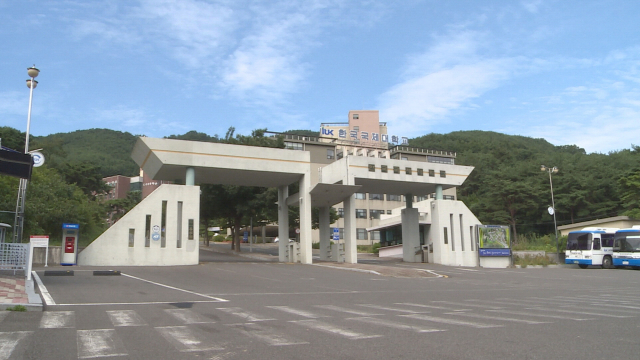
x=26, y=143
x=555, y=226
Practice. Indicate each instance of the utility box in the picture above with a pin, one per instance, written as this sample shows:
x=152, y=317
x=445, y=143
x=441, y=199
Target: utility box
x=70, y=234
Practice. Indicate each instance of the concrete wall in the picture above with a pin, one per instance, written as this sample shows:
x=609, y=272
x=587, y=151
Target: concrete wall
x=113, y=248
x=460, y=248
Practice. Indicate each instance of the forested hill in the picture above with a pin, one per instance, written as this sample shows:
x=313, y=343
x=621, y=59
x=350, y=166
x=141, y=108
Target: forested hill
x=508, y=187
x=108, y=150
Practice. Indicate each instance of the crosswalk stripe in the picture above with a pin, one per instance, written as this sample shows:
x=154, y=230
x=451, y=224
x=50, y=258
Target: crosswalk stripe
x=394, y=325
x=472, y=305
x=327, y=328
x=450, y=321
x=346, y=310
x=431, y=306
x=186, y=340
x=500, y=318
x=608, y=309
x=99, y=343
x=57, y=320
x=245, y=315
x=298, y=312
x=580, y=312
x=380, y=307
x=524, y=313
x=125, y=318
x=187, y=316
x=9, y=341
x=266, y=335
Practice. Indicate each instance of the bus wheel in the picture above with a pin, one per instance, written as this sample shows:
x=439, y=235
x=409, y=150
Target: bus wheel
x=607, y=263
x=583, y=266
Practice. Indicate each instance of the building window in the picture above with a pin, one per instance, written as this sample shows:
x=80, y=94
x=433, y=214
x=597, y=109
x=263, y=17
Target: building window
x=383, y=168
x=372, y=167
x=375, y=214
x=356, y=128
x=440, y=160
x=421, y=197
x=330, y=153
x=432, y=173
x=443, y=174
x=420, y=172
x=404, y=158
x=341, y=212
x=448, y=197
x=355, y=117
x=340, y=155
x=376, y=196
x=361, y=234
x=388, y=212
x=361, y=196
x=361, y=213
x=393, y=197
x=396, y=169
x=293, y=146
x=407, y=170
x=375, y=235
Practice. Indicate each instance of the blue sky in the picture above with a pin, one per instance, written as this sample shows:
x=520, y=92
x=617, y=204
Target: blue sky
x=566, y=71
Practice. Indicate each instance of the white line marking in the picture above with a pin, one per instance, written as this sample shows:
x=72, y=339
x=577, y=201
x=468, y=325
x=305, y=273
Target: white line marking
x=450, y=321
x=472, y=305
x=188, y=316
x=263, y=334
x=43, y=290
x=125, y=318
x=186, y=340
x=394, y=325
x=467, y=269
x=57, y=320
x=9, y=341
x=608, y=309
x=99, y=343
x=432, y=273
x=579, y=312
x=348, y=311
x=298, y=312
x=140, y=303
x=432, y=306
x=380, y=307
x=175, y=288
x=327, y=328
x=524, y=313
x=497, y=318
x=247, y=316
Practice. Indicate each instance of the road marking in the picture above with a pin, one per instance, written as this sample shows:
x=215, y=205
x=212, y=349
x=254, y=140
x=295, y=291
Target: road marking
x=298, y=312
x=432, y=306
x=472, y=305
x=43, y=290
x=466, y=269
x=380, y=307
x=580, y=312
x=394, y=325
x=188, y=316
x=497, y=318
x=450, y=321
x=125, y=318
x=524, y=313
x=263, y=334
x=186, y=340
x=344, y=310
x=57, y=320
x=327, y=328
x=175, y=288
x=247, y=316
x=9, y=341
x=634, y=312
x=99, y=343
x=140, y=303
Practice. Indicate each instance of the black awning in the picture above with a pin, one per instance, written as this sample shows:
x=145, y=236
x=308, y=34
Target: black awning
x=16, y=164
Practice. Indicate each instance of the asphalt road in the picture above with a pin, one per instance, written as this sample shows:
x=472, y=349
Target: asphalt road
x=245, y=309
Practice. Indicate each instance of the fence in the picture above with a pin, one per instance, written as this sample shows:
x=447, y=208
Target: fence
x=14, y=256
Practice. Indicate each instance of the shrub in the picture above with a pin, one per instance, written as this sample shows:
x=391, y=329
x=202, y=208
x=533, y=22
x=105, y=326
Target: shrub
x=219, y=238
x=532, y=260
x=17, y=308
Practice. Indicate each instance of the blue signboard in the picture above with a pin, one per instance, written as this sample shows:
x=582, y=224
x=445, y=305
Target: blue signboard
x=495, y=252
x=336, y=234
x=71, y=226
x=245, y=236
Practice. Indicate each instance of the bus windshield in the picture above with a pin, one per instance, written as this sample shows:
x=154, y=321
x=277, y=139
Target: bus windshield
x=628, y=243
x=579, y=241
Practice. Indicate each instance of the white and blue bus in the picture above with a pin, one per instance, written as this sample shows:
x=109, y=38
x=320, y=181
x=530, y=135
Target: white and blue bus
x=590, y=246
x=626, y=248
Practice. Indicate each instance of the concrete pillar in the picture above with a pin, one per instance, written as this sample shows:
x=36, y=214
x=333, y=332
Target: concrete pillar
x=409, y=202
x=325, y=232
x=350, y=242
x=306, y=255
x=283, y=222
x=410, y=234
x=438, y=192
x=190, y=177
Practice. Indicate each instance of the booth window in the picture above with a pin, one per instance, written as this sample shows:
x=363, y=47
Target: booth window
x=147, y=232
x=132, y=233
x=446, y=237
x=461, y=233
x=163, y=224
x=471, y=236
x=453, y=243
x=191, y=237
x=179, y=233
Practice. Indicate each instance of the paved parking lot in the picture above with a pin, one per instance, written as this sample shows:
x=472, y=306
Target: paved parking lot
x=227, y=309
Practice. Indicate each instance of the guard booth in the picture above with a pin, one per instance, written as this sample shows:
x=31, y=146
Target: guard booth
x=70, y=234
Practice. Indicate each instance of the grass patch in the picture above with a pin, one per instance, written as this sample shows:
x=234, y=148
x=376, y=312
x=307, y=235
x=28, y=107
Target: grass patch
x=529, y=260
x=371, y=249
x=17, y=308
x=537, y=242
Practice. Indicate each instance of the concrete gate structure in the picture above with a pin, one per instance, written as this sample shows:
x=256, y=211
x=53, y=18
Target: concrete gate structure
x=174, y=209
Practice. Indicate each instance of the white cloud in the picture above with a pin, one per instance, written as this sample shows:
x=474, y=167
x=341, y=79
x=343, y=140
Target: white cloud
x=532, y=6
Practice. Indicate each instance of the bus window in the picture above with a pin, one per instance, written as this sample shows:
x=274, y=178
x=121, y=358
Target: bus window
x=596, y=244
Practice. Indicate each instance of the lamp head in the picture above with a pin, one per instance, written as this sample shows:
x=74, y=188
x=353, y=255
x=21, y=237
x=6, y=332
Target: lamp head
x=554, y=170
x=543, y=168
x=35, y=83
x=33, y=71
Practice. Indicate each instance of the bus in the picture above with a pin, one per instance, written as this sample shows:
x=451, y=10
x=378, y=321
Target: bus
x=626, y=247
x=590, y=246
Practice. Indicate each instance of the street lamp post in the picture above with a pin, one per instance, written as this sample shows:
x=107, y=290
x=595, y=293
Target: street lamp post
x=22, y=190
x=552, y=209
